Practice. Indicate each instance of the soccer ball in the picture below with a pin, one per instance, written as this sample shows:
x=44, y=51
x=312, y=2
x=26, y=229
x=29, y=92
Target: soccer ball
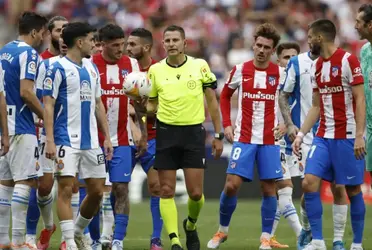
x=137, y=85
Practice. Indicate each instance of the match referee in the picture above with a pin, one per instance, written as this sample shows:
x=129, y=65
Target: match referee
x=179, y=85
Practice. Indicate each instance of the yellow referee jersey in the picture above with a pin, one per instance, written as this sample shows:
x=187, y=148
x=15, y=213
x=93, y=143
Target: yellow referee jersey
x=180, y=90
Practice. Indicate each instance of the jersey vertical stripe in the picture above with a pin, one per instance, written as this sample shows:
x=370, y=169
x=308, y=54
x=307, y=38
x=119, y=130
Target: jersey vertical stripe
x=334, y=78
x=19, y=61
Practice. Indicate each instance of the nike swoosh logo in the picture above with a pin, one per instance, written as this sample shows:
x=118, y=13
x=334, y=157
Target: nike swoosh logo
x=247, y=79
x=350, y=177
x=277, y=171
x=126, y=174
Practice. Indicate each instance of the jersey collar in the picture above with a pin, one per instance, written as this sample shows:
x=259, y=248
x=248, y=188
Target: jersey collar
x=166, y=60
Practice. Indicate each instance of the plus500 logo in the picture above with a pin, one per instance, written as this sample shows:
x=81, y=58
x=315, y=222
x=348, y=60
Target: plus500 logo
x=330, y=90
x=259, y=95
x=117, y=92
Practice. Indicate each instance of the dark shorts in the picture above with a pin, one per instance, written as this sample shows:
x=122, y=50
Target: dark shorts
x=179, y=146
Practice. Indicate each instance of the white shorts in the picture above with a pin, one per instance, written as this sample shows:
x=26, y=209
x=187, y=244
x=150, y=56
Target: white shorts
x=20, y=163
x=293, y=165
x=108, y=183
x=89, y=163
x=47, y=165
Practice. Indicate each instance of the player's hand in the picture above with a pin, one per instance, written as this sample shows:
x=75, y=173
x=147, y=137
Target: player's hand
x=50, y=150
x=229, y=134
x=296, y=145
x=4, y=145
x=292, y=131
x=109, y=150
x=39, y=123
x=142, y=146
x=217, y=148
x=280, y=131
x=359, y=148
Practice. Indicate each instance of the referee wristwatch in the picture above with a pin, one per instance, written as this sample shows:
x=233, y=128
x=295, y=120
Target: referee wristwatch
x=219, y=136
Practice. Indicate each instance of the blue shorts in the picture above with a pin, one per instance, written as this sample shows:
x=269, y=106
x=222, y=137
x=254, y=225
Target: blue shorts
x=148, y=159
x=334, y=160
x=244, y=156
x=120, y=167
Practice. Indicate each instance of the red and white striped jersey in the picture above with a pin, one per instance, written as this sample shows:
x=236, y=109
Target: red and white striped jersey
x=334, y=78
x=115, y=101
x=257, y=110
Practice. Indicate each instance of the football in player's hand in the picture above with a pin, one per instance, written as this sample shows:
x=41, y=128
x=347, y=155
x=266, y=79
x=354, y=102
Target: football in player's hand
x=137, y=85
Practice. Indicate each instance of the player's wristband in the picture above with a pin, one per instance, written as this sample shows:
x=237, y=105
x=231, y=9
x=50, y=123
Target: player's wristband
x=300, y=134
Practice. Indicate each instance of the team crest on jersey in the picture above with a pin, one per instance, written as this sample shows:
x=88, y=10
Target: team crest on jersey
x=272, y=80
x=334, y=71
x=232, y=165
x=301, y=167
x=85, y=91
x=124, y=73
x=60, y=165
x=37, y=166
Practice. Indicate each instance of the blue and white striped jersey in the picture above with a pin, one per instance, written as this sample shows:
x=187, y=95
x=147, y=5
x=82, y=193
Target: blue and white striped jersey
x=1, y=79
x=19, y=61
x=298, y=82
x=76, y=89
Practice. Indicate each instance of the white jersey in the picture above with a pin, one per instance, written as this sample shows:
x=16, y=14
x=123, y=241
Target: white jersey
x=76, y=89
x=41, y=72
x=298, y=82
x=1, y=78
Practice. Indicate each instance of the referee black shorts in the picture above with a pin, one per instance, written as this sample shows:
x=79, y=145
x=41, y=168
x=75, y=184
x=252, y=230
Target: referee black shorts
x=179, y=146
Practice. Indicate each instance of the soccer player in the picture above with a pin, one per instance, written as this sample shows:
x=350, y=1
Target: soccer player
x=113, y=66
x=139, y=46
x=253, y=139
x=179, y=84
x=296, y=92
x=43, y=200
x=3, y=119
x=19, y=60
x=364, y=27
x=338, y=149
x=73, y=109
x=284, y=185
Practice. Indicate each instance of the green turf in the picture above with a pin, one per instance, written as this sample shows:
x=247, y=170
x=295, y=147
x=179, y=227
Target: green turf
x=244, y=232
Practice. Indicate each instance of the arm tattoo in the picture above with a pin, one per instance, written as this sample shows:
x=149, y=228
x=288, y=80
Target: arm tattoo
x=284, y=107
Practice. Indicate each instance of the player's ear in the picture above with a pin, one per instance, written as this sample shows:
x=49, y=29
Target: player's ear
x=33, y=33
x=185, y=43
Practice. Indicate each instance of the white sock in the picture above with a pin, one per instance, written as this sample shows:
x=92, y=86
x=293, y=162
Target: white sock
x=80, y=224
x=75, y=205
x=276, y=221
x=67, y=229
x=107, y=216
x=265, y=236
x=223, y=229
x=46, y=210
x=339, y=221
x=304, y=220
x=21, y=196
x=288, y=209
x=5, y=198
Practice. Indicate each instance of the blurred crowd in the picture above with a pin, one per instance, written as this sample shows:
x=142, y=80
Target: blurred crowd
x=218, y=30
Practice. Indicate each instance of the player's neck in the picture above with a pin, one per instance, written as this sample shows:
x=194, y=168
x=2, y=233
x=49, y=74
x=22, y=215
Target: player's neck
x=328, y=50
x=25, y=38
x=176, y=60
x=74, y=56
x=145, y=62
x=260, y=65
x=53, y=50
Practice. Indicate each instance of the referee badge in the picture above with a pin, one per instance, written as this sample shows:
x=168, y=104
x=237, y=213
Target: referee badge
x=191, y=84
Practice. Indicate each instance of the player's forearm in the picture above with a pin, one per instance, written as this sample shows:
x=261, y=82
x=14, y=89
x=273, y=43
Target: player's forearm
x=101, y=120
x=311, y=118
x=33, y=103
x=213, y=109
x=49, y=121
x=360, y=115
x=3, y=116
x=152, y=107
x=141, y=114
x=284, y=108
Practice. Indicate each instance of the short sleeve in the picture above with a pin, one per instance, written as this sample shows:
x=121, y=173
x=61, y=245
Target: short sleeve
x=40, y=76
x=52, y=81
x=154, y=91
x=208, y=78
x=28, y=62
x=1, y=78
x=291, y=72
x=235, y=77
x=354, y=73
x=135, y=65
